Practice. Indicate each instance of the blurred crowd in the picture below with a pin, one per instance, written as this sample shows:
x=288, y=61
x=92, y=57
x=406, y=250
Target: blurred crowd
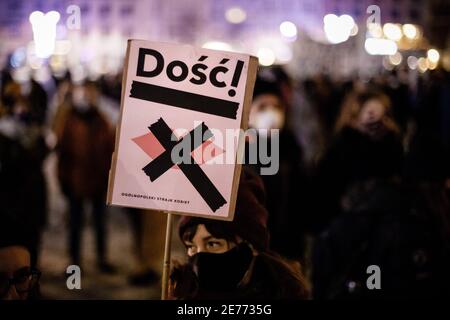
x=363, y=179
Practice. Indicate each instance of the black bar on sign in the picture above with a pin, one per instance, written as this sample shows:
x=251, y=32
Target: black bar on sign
x=183, y=99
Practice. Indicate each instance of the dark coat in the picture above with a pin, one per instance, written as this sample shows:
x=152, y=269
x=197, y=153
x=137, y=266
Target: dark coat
x=353, y=157
x=85, y=149
x=393, y=227
x=287, y=194
x=22, y=188
x=270, y=278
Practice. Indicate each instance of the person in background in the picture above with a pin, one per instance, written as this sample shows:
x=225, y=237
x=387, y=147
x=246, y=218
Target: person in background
x=401, y=228
x=85, y=146
x=61, y=104
x=148, y=245
x=287, y=188
x=23, y=149
x=429, y=146
x=19, y=280
x=367, y=145
x=231, y=260
x=326, y=100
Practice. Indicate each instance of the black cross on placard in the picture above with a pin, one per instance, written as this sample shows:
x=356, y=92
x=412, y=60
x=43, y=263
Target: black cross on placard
x=191, y=170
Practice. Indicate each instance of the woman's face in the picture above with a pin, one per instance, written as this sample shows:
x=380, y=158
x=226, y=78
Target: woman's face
x=267, y=112
x=371, y=117
x=372, y=111
x=13, y=260
x=203, y=241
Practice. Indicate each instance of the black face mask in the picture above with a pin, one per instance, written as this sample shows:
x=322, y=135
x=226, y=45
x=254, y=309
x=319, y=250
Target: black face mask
x=222, y=271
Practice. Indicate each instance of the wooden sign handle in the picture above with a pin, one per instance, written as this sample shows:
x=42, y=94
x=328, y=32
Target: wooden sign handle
x=167, y=252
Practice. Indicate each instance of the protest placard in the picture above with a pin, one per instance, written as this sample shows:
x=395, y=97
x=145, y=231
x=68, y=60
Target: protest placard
x=181, y=102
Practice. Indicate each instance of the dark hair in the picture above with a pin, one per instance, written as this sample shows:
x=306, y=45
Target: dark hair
x=250, y=219
x=218, y=229
x=264, y=86
x=10, y=95
x=292, y=282
x=90, y=83
x=13, y=232
x=353, y=104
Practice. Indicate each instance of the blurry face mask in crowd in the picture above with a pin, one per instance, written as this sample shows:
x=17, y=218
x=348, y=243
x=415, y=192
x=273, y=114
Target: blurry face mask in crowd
x=17, y=279
x=371, y=119
x=219, y=264
x=21, y=75
x=267, y=113
x=79, y=99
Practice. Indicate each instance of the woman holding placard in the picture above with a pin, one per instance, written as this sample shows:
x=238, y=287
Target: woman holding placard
x=231, y=260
